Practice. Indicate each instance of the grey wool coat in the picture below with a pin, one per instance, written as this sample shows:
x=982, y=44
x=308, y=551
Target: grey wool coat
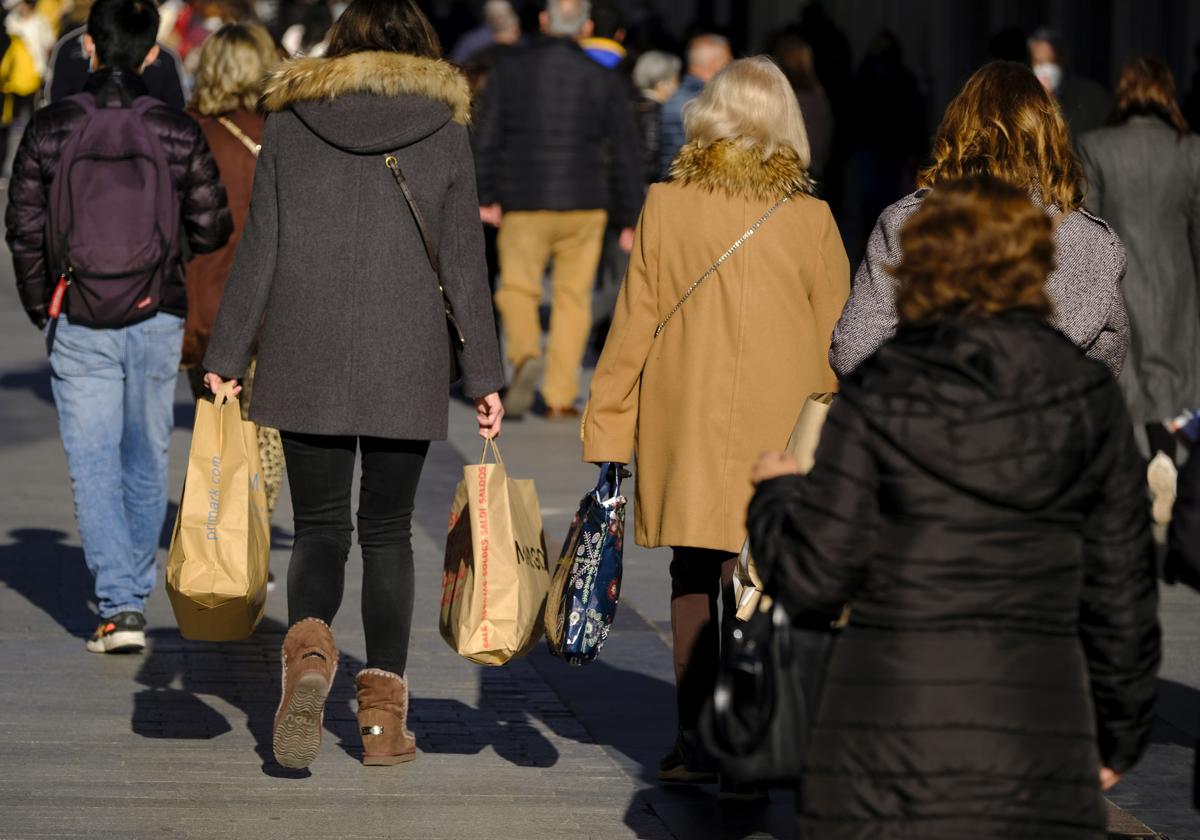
x=331, y=265
x=1144, y=177
x=1085, y=290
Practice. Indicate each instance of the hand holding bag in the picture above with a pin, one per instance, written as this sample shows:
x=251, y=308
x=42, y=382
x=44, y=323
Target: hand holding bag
x=496, y=573
x=747, y=585
x=220, y=548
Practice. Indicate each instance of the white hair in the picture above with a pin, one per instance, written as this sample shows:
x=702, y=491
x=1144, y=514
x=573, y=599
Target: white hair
x=705, y=51
x=750, y=102
x=655, y=67
x=568, y=17
x=500, y=15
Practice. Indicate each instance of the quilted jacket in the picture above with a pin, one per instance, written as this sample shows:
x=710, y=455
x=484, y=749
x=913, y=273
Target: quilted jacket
x=977, y=502
x=556, y=131
x=206, y=220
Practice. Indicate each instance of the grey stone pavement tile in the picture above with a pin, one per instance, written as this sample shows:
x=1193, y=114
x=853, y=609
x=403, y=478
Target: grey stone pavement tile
x=176, y=742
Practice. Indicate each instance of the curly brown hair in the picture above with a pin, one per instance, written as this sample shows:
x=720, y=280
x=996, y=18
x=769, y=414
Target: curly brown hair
x=978, y=246
x=1003, y=123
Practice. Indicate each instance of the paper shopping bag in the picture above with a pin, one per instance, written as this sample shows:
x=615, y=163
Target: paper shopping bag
x=747, y=585
x=220, y=550
x=496, y=573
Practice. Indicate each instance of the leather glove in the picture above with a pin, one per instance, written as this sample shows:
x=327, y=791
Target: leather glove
x=38, y=317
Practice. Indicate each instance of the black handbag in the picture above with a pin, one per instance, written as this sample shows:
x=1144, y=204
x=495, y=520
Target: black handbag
x=454, y=333
x=757, y=723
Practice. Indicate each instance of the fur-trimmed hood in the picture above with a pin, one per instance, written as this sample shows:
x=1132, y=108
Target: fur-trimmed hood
x=737, y=169
x=338, y=98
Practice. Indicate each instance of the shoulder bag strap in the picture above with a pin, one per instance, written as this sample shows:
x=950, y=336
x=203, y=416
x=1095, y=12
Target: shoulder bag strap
x=246, y=139
x=721, y=261
x=394, y=165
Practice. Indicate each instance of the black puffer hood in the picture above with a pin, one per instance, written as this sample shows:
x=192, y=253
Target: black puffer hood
x=980, y=405
x=370, y=102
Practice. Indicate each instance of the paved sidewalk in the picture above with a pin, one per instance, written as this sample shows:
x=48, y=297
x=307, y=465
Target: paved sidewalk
x=177, y=742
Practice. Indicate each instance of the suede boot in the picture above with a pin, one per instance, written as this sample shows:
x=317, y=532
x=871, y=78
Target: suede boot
x=383, y=718
x=309, y=663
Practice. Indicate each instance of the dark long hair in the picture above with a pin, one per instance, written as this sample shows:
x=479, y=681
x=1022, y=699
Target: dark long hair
x=384, y=26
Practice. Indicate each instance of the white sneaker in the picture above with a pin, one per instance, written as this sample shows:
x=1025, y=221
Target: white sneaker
x=1162, y=475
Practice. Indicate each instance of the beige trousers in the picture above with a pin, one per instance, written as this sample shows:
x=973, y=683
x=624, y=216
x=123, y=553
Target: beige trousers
x=571, y=242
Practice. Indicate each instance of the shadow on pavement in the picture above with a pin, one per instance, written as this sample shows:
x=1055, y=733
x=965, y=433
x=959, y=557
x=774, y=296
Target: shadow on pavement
x=178, y=673
x=35, y=381
x=37, y=564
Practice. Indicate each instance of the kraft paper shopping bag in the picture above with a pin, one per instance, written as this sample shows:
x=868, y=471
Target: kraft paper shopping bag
x=220, y=549
x=496, y=572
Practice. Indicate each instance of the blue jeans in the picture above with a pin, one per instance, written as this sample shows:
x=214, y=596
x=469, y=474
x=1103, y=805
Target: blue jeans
x=115, y=392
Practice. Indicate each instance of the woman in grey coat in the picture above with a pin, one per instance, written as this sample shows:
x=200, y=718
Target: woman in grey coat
x=1002, y=123
x=354, y=351
x=1143, y=175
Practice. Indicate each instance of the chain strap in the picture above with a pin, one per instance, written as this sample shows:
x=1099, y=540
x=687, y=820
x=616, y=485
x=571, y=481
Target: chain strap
x=712, y=269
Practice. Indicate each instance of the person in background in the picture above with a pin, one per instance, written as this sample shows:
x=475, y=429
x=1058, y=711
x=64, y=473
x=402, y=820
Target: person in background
x=707, y=55
x=501, y=25
x=307, y=36
x=1003, y=123
x=506, y=34
x=889, y=128
x=27, y=37
x=606, y=46
x=795, y=58
x=1085, y=104
x=231, y=68
x=974, y=504
x=1143, y=176
x=332, y=246
x=69, y=68
x=554, y=168
x=656, y=76
x=728, y=375
x=115, y=357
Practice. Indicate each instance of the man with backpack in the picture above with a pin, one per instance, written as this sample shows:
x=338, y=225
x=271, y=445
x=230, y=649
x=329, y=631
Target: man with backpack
x=105, y=187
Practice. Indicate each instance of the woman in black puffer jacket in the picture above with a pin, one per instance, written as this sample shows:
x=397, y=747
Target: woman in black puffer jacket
x=977, y=502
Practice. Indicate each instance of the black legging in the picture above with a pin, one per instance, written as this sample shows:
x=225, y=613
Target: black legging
x=700, y=579
x=320, y=472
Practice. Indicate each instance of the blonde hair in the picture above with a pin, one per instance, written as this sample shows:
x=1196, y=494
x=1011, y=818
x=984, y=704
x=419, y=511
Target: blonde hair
x=751, y=103
x=1004, y=124
x=234, y=62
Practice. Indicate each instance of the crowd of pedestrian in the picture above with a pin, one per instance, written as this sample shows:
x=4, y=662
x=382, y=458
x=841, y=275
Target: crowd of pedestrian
x=322, y=214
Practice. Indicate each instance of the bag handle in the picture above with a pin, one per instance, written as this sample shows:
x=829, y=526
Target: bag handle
x=225, y=394
x=246, y=140
x=490, y=443
x=712, y=269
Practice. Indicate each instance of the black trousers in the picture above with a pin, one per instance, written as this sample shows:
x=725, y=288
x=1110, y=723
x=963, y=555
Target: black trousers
x=701, y=579
x=320, y=472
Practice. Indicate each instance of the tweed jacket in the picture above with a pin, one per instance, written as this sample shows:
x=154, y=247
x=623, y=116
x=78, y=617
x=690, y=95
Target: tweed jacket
x=1089, y=307
x=1145, y=179
x=331, y=262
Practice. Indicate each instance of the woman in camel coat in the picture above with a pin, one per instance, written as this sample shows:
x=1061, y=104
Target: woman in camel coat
x=731, y=370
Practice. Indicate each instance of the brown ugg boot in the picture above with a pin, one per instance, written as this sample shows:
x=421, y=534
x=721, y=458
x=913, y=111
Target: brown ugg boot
x=383, y=718
x=309, y=663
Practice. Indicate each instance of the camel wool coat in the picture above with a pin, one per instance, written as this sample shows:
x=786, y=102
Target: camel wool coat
x=729, y=374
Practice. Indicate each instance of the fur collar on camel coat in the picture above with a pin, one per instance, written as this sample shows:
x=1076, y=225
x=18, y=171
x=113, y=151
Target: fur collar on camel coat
x=332, y=265
x=729, y=374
